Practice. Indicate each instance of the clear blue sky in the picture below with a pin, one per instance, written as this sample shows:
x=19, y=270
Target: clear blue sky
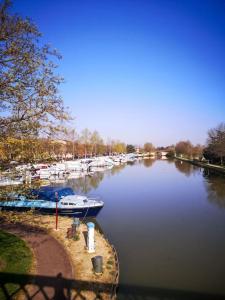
x=138, y=70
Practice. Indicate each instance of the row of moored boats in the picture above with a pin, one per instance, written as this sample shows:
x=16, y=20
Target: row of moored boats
x=60, y=200
x=63, y=170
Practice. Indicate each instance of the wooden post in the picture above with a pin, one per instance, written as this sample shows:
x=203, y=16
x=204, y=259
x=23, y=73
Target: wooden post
x=56, y=210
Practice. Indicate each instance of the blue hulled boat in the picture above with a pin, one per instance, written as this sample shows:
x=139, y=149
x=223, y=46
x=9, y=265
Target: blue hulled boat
x=68, y=204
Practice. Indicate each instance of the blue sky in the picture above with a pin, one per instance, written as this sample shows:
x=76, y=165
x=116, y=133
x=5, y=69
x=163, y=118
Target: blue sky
x=138, y=70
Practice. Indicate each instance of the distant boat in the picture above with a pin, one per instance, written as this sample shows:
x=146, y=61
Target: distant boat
x=7, y=181
x=68, y=204
x=101, y=162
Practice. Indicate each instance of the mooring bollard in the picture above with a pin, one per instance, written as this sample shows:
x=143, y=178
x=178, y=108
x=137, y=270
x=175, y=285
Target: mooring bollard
x=90, y=237
x=98, y=264
x=76, y=224
x=76, y=221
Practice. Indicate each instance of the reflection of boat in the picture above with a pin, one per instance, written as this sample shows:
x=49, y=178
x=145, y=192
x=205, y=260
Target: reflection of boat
x=75, y=175
x=100, y=169
x=68, y=204
x=76, y=165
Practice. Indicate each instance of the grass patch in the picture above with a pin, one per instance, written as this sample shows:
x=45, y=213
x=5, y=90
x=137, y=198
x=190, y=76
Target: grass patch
x=15, y=257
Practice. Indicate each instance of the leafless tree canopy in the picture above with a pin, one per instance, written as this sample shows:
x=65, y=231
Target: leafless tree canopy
x=216, y=142
x=148, y=147
x=187, y=149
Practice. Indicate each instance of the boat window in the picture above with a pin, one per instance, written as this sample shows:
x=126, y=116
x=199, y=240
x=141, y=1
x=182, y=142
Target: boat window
x=85, y=201
x=65, y=203
x=71, y=204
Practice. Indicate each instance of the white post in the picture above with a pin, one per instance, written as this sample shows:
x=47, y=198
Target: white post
x=27, y=177
x=90, y=238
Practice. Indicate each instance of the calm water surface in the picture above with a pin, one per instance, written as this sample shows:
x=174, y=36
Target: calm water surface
x=167, y=221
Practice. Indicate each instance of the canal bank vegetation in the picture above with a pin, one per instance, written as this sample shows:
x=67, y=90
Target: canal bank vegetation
x=215, y=149
x=187, y=150
x=211, y=155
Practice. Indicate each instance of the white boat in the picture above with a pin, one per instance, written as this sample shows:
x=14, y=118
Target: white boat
x=75, y=165
x=68, y=204
x=43, y=173
x=101, y=162
x=8, y=181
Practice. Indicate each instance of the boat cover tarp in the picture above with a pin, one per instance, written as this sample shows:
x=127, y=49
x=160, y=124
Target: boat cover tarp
x=48, y=193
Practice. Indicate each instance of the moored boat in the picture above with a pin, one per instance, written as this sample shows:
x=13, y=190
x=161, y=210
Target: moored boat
x=68, y=204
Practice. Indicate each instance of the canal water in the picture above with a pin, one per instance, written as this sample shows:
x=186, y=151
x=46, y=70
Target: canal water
x=167, y=222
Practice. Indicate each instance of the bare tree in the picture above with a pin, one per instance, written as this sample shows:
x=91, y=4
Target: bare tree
x=216, y=142
x=85, y=140
x=184, y=148
x=148, y=147
x=197, y=151
x=95, y=140
x=29, y=99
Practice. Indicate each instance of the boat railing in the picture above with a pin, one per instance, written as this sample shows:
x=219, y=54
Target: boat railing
x=97, y=200
x=94, y=198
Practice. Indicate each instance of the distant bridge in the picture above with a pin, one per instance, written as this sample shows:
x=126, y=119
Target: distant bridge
x=161, y=153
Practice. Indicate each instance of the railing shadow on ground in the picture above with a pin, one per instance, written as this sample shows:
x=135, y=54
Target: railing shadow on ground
x=46, y=287
x=69, y=289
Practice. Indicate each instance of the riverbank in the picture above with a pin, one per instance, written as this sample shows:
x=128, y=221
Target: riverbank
x=203, y=165
x=75, y=250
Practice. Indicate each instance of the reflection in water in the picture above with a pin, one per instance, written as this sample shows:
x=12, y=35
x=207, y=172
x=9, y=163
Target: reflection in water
x=185, y=167
x=170, y=160
x=167, y=235
x=214, y=181
x=87, y=183
x=148, y=162
x=215, y=187
x=158, y=218
x=116, y=169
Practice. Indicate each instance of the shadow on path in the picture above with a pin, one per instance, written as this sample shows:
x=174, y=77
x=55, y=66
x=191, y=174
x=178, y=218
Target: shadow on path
x=68, y=289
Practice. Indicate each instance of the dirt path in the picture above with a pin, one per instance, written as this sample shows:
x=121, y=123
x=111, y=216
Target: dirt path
x=51, y=257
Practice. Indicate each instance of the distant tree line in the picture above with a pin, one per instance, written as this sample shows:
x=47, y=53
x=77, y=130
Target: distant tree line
x=71, y=145
x=213, y=151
